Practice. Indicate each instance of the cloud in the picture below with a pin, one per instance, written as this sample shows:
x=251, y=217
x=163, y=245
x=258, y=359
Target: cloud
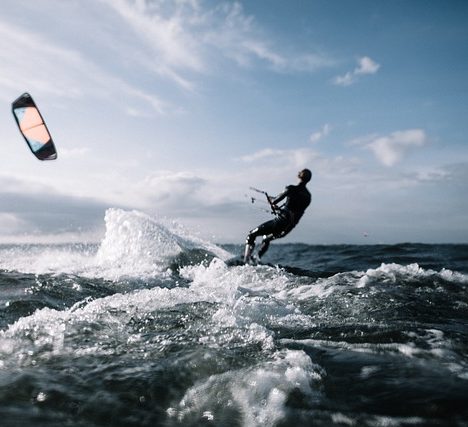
x=11, y=224
x=261, y=154
x=317, y=136
x=213, y=200
x=32, y=207
x=62, y=72
x=22, y=48
x=165, y=28
x=239, y=37
x=171, y=188
x=392, y=148
x=366, y=66
x=188, y=37
x=284, y=159
x=74, y=153
x=176, y=41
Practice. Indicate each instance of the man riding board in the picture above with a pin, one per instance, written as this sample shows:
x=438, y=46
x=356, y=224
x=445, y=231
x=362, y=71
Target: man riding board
x=287, y=216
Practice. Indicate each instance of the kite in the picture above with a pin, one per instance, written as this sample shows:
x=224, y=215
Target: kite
x=33, y=128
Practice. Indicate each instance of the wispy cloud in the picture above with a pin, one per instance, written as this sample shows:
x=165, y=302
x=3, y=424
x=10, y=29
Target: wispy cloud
x=322, y=133
x=295, y=158
x=391, y=149
x=188, y=36
x=165, y=29
x=366, y=66
x=261, y=154
x=22, y=49
x=61, y=72
x=175, y=41
x=74, y=153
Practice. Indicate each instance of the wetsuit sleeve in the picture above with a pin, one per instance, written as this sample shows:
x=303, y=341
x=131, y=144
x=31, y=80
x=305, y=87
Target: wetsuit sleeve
x=282, y=196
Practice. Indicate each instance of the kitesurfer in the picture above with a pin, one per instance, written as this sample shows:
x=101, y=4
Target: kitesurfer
x=287, y=216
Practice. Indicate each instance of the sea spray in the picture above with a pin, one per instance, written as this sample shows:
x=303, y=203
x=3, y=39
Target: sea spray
x=152, y=327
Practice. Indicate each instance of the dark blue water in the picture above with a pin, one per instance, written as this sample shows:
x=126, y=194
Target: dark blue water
x=152, y=328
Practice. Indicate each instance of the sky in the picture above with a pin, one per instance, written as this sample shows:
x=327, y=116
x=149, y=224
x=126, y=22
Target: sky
x=176, y=108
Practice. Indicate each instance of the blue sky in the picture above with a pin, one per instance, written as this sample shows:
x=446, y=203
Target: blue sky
x=175, y=108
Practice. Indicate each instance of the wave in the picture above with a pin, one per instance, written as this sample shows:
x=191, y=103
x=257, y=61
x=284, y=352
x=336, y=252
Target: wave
x=135, y=245
x=227, y=289
x=154, y=319
x=259, y=392
x=221, y=309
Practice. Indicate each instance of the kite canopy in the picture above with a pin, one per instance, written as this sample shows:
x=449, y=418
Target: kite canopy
x=33, y=128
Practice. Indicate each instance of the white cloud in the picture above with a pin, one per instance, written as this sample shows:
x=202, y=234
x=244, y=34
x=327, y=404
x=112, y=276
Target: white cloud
x=285, y=159
x=317, y=136
x=366, y=66
x=242, y=39
x=188, y=36
x=390, y=149
x=21, y=48
x=171, y=187
x=176, y=41
x=11, y=224
x=61, y=72
x=261, y=154
x=29, y=206
x=345, y=80
x=73, y=153
x=164, y=27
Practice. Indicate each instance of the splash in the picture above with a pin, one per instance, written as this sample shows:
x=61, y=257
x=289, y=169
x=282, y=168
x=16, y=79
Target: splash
x=138, y=245
x=135, y=245
x=258, y=393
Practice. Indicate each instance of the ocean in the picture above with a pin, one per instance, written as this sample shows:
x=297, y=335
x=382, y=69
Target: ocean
x=152, y=327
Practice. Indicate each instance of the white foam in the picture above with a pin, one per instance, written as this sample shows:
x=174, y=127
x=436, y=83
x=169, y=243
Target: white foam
x=135, y=245
x=223, y=282
x=440, y=350
x=248, y=294
x=48, y=332
x=339, y=418
x=385, y=421
x=408, y=350
x=392, y=273
x=42, y=259
x=258, y=392
x=384, y=274
x=453, y=276
x=240, y=320
x=134, y=235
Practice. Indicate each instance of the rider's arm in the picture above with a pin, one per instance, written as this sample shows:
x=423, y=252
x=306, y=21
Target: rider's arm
x=280, y=197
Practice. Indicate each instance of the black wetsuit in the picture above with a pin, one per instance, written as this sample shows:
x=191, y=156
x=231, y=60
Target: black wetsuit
x=297, y=200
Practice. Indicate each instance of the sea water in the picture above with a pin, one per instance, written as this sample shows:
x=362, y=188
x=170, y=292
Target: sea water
x=152, y=327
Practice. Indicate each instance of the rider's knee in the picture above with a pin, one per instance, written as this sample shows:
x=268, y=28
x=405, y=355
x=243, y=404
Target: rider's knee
x=250, y=240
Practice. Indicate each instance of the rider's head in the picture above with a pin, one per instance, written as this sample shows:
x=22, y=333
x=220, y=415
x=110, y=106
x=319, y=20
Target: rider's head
x=305, y=175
